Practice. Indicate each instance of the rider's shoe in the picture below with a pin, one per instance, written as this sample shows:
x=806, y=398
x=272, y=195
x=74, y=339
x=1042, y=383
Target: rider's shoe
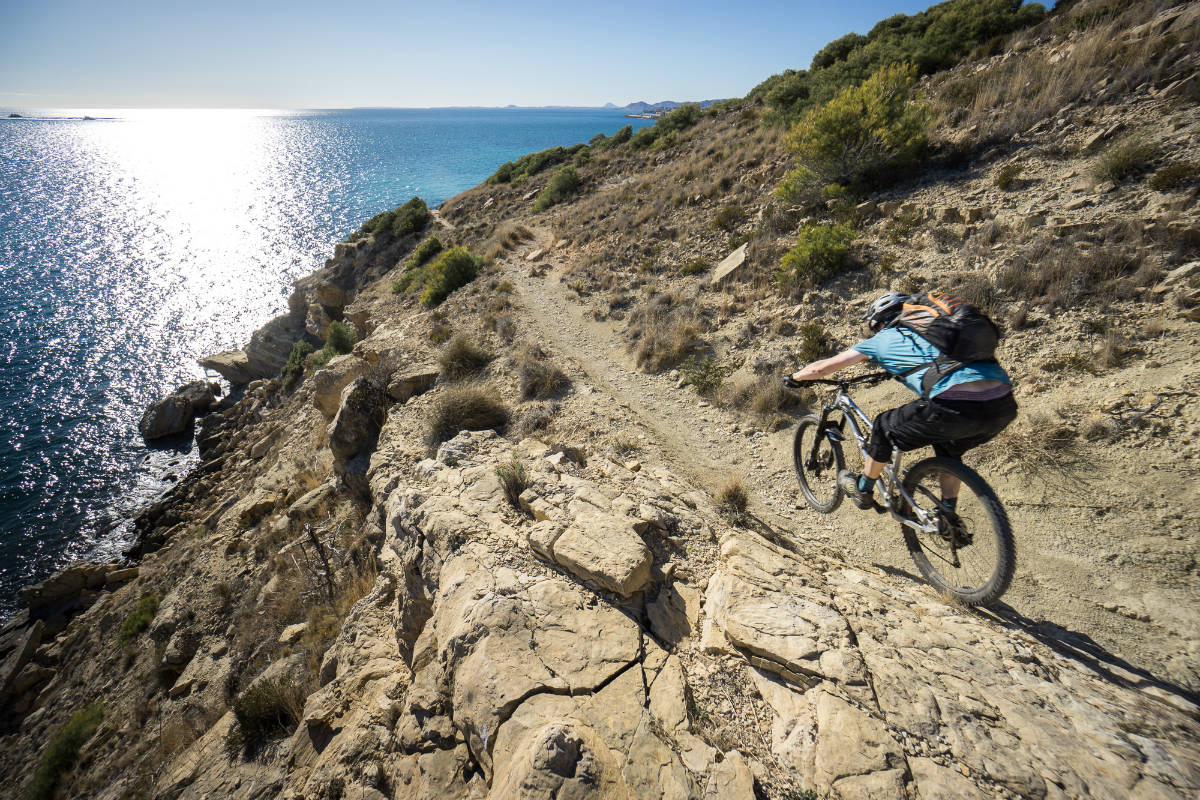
x=848, y=483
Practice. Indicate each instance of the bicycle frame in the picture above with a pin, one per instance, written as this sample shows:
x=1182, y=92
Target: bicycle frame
x=860, y=425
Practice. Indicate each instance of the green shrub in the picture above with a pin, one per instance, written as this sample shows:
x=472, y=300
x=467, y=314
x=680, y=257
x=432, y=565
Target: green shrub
x=341, y=338
x=408, y=218
x=1176, y=176
x=465, y=406
x=729, y=217
x=799, y=187
x=322, y=357
x=819, y=254
x=564, y=184
x=1007, y=176
x=663, y=142
x=463, y=357
x=513, y=481
x=293, y=371
x=662, y=134
x=533, y=163
x=645, y=137
x=598, y=140
x=865, y=130
x=62, y=751
x=413, y=275
x=694, y=267
x=453, y=269
x=425, y=251
x=682, y=118
x=270, y=709
x=703, y=373
x=621, y=137
x=1123, y=159
x=138, y=620
x=813, y=341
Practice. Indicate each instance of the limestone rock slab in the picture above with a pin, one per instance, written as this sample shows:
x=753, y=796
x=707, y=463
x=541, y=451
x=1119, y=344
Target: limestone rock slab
x=605, y=550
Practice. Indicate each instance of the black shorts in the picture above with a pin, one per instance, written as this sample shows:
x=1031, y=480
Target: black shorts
x=952, y=426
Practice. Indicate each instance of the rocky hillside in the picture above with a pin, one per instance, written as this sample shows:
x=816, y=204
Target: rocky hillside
x=499, y=548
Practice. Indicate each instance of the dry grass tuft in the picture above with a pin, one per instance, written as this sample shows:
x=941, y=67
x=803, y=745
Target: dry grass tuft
x=538, y=377
x=513, y=480
x=465, y=406
x=463, y=357
x=1123, y=159
x=663, y=333
x=732, y=501
x=764, y=397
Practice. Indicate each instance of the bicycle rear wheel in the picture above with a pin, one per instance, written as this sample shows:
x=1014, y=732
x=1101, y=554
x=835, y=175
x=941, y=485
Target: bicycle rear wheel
x=972, y=555
x=817, y=473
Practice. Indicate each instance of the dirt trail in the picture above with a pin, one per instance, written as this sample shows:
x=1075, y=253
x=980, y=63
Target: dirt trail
x=1059, y=593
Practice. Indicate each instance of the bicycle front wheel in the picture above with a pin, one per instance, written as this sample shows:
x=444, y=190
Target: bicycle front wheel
x=972, y=555
x=817, y=470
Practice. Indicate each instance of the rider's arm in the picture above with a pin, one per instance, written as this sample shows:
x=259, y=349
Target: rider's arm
x=828, y=366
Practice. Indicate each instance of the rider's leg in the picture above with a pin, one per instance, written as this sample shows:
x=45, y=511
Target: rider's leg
x=872, y=468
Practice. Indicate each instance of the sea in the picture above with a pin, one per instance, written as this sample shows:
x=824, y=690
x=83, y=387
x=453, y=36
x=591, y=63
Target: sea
x=133, y=242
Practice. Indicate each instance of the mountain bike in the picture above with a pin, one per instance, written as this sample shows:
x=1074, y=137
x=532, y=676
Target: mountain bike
x=967, y=551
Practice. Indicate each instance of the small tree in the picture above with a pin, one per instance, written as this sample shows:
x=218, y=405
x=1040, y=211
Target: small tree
x=864, y=129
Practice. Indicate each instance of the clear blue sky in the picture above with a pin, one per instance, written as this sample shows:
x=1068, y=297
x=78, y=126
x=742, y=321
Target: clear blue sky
x=304, y=54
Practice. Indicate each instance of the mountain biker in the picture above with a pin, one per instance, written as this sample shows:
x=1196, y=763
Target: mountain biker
x=966, y=407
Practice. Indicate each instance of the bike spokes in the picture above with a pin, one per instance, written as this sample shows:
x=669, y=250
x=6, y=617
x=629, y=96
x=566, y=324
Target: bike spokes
x=966, y=550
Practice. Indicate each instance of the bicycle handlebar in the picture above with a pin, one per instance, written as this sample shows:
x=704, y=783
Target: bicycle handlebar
x=870, y=377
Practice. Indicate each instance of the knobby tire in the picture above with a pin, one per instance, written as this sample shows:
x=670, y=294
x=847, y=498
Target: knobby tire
x=831, y=461
x=1001, y=575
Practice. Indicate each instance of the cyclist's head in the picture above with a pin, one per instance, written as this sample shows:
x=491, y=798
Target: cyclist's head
x=884, y=310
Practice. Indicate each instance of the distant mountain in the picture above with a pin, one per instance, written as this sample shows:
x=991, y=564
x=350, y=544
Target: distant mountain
x=642, y=107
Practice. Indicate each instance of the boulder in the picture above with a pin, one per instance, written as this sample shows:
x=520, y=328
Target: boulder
x=232, y=365
x=729, y=265
x=605, y=551
x=327, y=383
x=410, y=382
x=60, y=589
x=116, y=578
x=18, y=657
x=317, y=321
x=176, y=412
x=518, y=636
x=1178, y=275
x=359, y=418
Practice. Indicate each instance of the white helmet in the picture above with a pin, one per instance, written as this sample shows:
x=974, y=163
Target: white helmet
x=885, y=309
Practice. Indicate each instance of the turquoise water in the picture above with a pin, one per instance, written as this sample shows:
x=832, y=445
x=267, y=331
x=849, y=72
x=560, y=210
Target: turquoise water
x=131, y=246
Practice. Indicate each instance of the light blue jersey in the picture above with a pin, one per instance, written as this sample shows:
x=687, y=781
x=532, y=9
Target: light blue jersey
x=898, y=349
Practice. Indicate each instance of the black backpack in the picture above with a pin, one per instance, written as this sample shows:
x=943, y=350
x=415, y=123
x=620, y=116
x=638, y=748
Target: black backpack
x=961, y=332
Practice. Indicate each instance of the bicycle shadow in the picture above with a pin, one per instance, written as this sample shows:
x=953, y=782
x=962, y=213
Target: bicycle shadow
x=1073, y=645
x=1083, y=649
